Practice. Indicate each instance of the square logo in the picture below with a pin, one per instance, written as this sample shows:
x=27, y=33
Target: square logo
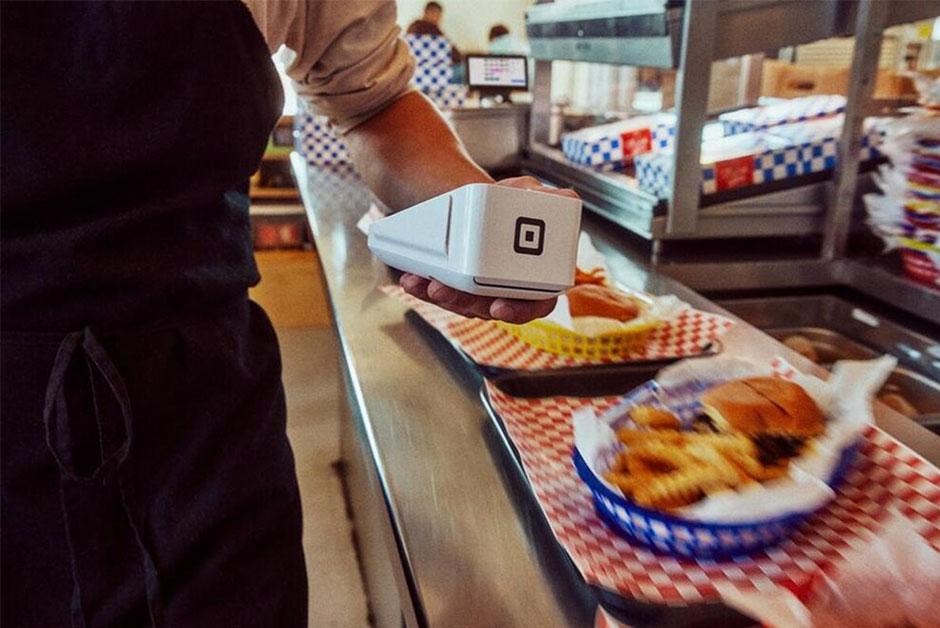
x=530, y=236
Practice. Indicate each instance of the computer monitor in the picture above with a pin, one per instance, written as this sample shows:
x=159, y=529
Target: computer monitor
x=497, y=73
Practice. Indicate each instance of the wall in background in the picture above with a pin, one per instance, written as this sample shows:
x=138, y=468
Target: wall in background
x=468, y=22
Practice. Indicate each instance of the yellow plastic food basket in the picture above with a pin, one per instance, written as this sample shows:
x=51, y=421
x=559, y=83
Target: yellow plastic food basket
x=554, y=338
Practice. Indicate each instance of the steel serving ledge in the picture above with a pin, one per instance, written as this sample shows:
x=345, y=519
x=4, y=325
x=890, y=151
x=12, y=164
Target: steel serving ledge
x=460, y=542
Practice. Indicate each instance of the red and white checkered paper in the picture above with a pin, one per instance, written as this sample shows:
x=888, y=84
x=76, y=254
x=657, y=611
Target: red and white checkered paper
x=488, y=345
x=886, y=475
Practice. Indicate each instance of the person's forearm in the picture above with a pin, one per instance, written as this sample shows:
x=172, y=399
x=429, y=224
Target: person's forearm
x=408, y=153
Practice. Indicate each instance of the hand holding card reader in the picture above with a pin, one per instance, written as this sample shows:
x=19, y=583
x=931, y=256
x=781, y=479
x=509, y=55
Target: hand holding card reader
x=485, y=239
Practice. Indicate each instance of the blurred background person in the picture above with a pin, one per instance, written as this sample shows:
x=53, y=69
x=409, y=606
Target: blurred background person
x=498, y=38
x=430, y=24
x=502, y=42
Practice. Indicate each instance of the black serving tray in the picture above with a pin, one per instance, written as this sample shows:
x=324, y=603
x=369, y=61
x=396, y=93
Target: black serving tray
x=495, y=373
x=598, y=381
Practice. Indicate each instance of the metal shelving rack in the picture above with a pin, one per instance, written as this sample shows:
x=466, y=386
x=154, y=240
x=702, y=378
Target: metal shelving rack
x=689, y=36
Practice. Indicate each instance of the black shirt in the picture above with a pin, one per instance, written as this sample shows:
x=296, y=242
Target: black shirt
x=125, y=161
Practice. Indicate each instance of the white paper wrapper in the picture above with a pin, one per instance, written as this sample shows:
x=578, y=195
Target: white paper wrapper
x=845, y=399
x=656, y=308
x=369, y=217
x=929, y=89
x=886, y=213
x=888, y=579
x=589, y=257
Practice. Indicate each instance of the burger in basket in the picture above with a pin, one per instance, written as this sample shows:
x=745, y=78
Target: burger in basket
x=720, y=457
x=749, y=431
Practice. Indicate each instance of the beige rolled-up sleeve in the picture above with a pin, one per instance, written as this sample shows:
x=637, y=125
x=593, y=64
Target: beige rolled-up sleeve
x=350, y=60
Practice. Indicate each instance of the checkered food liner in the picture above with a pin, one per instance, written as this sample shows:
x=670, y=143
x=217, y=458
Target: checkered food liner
x=688, y=333
x=613, y=146
x=793, y=110
x=727, y=163
x=733, y=522
x=889, y=578
x=830, y=129
x=617, y=143
x=747, y=159
x=886, y=475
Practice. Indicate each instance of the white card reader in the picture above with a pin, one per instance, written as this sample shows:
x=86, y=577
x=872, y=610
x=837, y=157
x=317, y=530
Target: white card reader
x=485, y=239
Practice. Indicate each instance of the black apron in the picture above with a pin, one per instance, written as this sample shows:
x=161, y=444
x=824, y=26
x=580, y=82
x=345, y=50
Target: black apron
x=146, y=475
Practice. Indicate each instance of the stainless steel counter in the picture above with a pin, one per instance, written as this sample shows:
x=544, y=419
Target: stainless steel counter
x=465, y=547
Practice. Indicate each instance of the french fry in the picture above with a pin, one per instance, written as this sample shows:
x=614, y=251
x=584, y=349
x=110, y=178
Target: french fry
x=630, y=437
x=665, y=468
x=626, y=483
x=675, y=490
x=654, y=418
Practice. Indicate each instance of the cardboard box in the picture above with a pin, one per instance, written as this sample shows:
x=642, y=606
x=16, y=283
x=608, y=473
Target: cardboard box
x=792, y=80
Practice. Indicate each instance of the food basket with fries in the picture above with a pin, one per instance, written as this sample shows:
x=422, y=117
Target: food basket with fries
x=656, y=476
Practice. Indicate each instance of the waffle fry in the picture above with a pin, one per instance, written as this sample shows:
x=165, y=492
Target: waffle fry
x=638, y=467
x=654, y=418
x=730, y=474
x=724, y=443
x=626, y=483
x=665, y=468
x=678, y=489
x=665, y=455
x=629, y=436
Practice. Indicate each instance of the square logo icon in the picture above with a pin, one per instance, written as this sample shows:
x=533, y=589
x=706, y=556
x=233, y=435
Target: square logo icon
x=530, y=236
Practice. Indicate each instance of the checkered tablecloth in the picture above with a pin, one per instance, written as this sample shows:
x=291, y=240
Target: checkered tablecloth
x=315, y=139
x=336, y=185
x=429, y=49
x=449, y=96
x=886, y=475
x=488, y=345
x=432, y=78
x=433, y=66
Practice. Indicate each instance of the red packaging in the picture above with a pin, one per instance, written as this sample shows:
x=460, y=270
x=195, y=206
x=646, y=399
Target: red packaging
x=636, y=142
x=734, y=173
x=920, y=267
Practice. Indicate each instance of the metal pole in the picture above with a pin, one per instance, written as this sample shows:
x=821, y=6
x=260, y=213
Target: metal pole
x=749, y=83
x=695, y=63
x=540, y=120
x=869, y=24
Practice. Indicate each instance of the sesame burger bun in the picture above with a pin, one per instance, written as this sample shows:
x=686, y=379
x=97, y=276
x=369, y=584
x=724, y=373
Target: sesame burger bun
x=763, y=405
x=594, y=300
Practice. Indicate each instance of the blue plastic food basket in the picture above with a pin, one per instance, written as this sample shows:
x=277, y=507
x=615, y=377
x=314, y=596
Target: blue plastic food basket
x=684, y=537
